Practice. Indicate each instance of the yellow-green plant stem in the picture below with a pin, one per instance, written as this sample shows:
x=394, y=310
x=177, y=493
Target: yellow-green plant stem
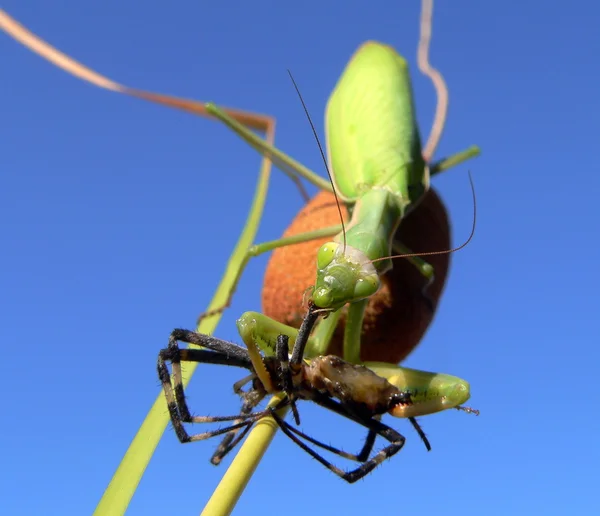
x=233, y=483
x=121, y=488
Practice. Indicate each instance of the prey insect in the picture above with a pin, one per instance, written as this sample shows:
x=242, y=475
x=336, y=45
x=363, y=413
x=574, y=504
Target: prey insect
x=128, y=474
x=361, y=393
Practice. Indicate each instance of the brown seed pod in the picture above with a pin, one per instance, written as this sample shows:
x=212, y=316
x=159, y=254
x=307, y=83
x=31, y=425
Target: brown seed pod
x=397, y=316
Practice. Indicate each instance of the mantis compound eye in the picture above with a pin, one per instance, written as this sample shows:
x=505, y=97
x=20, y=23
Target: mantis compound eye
x=323, y=297
x=326, y=254
x=366, y=287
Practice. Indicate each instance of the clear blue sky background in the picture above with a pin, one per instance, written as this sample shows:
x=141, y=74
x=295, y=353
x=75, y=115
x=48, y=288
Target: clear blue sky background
x=117, y=217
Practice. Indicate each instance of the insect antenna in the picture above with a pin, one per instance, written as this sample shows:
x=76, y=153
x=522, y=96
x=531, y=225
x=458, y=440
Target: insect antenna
x=312, y=126
x=445, y=251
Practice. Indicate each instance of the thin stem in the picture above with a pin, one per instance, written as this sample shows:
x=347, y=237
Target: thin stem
x=436, y=78
x=237, y=476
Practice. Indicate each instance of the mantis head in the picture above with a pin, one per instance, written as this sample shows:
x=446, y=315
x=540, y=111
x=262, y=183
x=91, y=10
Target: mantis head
x=343, y=276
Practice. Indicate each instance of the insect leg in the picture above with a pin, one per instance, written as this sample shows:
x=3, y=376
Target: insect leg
x=395, y=438
x=371, y=436
x=251, y=399
x=282, y=353
x=219, y=352
x=419, y=430
x=229, y=442
x=320, y=444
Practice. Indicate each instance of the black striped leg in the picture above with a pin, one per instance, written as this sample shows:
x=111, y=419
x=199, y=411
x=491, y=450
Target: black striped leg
x=241, y=421
x=226, y=444
x=282, y=351
x=250, y=400
x=321, y=444
x=419, y=430
x=246, y=421
x=230, y=441
x=395, y=438
x=367, y=448
x=223, y=352
x=218, y=352
x=371, y=436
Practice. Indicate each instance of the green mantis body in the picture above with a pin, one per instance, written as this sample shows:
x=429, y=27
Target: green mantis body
x=374, y=154
x=374, y=167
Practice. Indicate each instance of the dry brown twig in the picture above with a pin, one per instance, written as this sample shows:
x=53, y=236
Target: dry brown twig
x=437, y=79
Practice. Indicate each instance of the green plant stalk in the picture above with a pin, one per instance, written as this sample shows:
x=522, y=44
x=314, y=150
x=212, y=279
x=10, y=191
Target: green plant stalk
x=236, y=478
x=232, y=485
x=122, y=486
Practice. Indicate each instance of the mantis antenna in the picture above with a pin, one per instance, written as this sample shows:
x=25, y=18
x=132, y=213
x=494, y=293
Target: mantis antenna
x=445, y=251
x=312, y=126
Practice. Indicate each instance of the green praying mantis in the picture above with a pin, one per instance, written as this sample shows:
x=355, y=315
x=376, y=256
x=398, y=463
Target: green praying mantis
x=375, y=166
x=374, y=151
x=377, y=169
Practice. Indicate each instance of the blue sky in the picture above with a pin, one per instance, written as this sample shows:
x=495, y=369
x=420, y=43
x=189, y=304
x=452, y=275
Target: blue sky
x=117, y=217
